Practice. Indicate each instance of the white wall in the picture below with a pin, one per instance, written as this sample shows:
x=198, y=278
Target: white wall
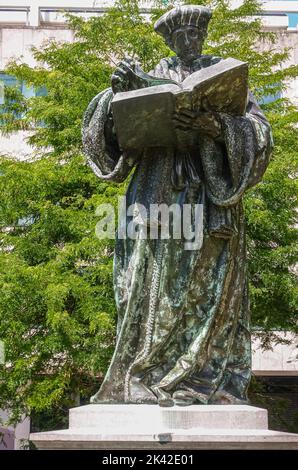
x=280, y=360
x=16, y=42
x=15, y=438
x=288, y=39
x=34, y=12
x=16, y=146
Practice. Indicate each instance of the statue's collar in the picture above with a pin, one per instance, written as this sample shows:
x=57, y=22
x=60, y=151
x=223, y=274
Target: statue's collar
x=200, y=62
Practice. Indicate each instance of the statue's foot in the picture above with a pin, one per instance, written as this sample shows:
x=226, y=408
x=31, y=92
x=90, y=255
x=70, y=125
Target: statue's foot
x=186, y=398
x=140, y=392
x=163, y=397
x=221, y=397
x=183, y=398
x=95, y=399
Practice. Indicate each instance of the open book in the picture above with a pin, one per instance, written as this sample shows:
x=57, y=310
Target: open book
x=143, y=118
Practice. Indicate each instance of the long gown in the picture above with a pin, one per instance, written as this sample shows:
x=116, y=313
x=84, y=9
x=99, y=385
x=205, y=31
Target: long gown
x=183, y=315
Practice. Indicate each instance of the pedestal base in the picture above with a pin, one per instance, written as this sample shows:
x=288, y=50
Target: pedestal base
x=152, y=427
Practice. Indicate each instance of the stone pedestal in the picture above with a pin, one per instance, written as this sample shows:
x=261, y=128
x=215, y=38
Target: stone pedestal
x=152, y=427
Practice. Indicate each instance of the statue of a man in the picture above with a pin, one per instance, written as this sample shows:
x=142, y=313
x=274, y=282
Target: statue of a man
x=183, y=332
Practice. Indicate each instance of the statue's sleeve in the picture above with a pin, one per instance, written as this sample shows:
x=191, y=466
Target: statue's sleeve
x=240, y=159
x=100, y=142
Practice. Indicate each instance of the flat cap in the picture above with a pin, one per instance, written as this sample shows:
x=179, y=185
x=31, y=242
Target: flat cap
x=186, y=15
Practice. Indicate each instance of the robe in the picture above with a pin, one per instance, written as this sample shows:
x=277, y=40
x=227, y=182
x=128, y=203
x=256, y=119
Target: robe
x=183, y=332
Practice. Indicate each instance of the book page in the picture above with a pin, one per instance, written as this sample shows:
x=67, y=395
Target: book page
x=221, y=87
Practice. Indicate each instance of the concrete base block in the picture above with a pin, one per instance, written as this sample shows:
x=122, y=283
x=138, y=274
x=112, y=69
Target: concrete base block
x=152, y=427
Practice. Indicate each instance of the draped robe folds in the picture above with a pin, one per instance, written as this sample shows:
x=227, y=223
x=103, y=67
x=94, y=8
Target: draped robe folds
x=183, y=315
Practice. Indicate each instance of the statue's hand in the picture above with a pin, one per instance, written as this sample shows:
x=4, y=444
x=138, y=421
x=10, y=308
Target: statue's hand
x=208, y=123
x=125, y=77
x=205, y=122
x=120, y=79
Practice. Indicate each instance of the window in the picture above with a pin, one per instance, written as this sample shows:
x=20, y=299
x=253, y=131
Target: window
x=11, y=81
x=270, y=98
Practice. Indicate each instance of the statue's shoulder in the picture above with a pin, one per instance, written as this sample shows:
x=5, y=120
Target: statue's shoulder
x=170, y=62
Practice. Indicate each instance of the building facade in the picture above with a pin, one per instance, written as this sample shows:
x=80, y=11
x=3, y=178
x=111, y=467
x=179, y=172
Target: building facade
x=27, y=23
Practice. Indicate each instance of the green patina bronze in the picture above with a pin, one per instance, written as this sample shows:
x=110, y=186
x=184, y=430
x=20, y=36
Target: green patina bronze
x=183, y=316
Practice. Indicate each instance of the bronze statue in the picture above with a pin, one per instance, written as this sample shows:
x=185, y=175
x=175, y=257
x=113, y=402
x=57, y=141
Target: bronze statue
x=183, y=333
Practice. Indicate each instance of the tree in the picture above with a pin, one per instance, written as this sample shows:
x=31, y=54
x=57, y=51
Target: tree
x=57, y=307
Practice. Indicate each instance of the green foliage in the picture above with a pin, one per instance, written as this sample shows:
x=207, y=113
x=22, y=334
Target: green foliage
x=16, y=105
x=272, y=243
x=56, y=305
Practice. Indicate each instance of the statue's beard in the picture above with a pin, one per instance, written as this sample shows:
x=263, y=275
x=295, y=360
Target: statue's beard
x=188, y=58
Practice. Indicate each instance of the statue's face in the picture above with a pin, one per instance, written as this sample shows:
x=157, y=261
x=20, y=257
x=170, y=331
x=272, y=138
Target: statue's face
x=187, y=42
